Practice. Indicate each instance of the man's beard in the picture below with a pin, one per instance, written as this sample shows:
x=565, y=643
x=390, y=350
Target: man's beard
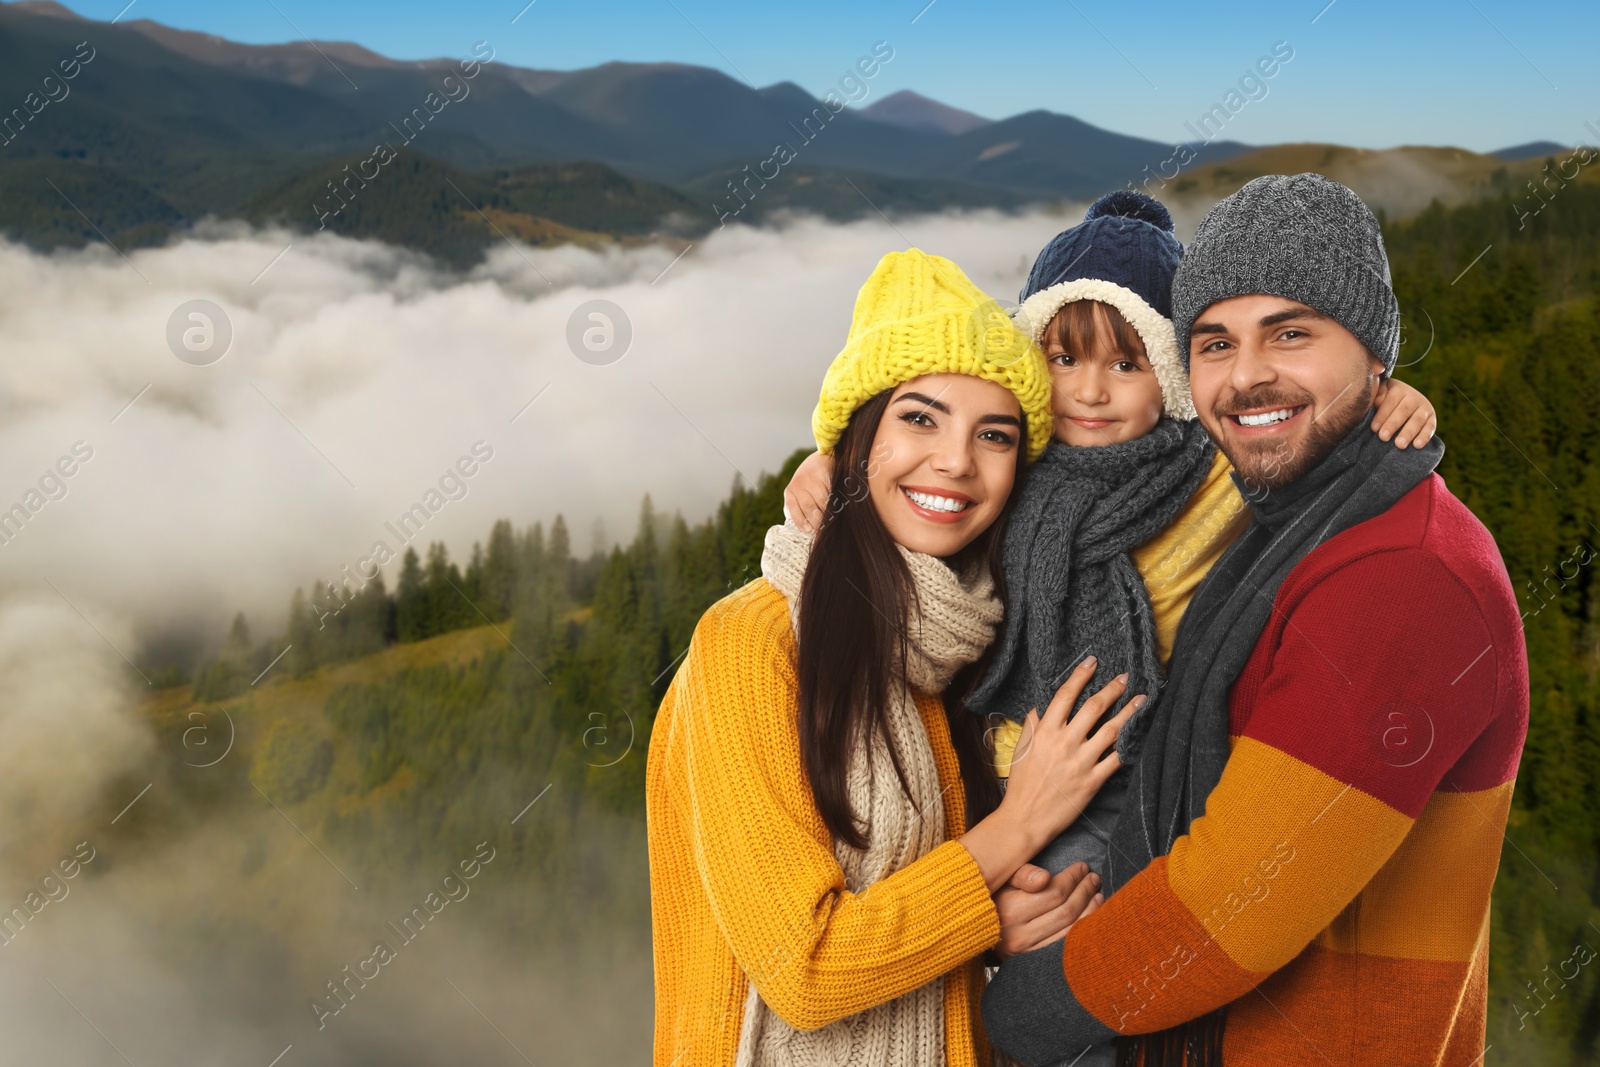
x=1267, y=465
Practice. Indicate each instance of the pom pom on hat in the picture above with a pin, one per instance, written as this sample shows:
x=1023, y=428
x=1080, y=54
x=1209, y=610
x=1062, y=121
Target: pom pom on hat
x=1128, y=204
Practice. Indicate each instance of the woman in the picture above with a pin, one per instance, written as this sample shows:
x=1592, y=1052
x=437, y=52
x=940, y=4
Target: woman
x=816, y=895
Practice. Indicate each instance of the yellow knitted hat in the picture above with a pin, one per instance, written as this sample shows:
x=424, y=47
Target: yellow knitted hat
x=919, y=314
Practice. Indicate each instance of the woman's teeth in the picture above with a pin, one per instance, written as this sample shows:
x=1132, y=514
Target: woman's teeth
x=936, y=503
x=1267, y=418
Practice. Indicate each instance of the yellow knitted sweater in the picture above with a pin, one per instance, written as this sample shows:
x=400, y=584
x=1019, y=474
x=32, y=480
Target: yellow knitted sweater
x=1173, y=563
x=744, y=885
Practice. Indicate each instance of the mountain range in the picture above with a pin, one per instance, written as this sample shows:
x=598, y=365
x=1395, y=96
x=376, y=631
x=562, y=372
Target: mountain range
x=160, y=127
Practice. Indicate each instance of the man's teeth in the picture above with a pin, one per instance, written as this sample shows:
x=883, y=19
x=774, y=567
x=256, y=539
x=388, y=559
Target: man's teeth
x=1267, y=418
x=937, y=503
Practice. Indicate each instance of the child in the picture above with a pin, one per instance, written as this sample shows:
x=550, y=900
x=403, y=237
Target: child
x=1130, y=505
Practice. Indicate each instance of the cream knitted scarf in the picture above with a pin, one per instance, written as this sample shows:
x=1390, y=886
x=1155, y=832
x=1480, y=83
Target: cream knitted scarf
x=956, y=622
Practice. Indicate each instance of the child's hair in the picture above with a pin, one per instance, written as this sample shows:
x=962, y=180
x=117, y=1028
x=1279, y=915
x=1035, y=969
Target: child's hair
x=1085, y=326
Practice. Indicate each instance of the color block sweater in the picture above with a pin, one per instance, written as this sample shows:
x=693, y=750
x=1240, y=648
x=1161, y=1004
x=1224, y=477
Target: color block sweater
x=1335, y=893
x=744, y=884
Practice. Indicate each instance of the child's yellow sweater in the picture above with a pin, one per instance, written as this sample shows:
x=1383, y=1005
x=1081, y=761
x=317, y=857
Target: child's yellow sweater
x=744, y=886
x=1172, y=563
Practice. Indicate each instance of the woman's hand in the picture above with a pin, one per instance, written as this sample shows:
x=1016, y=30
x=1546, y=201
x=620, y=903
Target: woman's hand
x=1036, y=909
x=1404, y=414
x=1058, y=767
x=806, y=497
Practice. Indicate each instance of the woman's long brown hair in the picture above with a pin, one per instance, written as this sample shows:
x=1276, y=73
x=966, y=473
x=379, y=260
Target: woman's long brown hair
x=852, y=642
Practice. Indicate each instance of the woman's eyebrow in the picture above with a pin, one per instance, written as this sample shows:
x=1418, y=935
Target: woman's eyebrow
x=1008, y=420
x=928, y=401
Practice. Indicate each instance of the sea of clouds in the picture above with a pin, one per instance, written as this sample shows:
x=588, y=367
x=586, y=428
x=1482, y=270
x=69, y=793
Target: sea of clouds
x=165, y=496
x=357, y=374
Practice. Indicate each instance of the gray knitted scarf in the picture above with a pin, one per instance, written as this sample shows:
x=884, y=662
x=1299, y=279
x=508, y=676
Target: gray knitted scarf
x=1073, y=587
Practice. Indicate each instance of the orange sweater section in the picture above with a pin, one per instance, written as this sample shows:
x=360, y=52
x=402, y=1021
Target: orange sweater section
x=744, y=886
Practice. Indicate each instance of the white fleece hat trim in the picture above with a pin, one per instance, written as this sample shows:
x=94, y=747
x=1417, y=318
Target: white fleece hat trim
x=1156, y=331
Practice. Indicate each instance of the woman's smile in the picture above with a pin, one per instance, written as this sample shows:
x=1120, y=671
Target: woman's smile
x=937, y=505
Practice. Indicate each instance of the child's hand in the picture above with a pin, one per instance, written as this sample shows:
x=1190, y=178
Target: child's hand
x=1404, y=414
x=806, y=497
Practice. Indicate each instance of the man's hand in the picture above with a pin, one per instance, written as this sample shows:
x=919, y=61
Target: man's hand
x=1036, y=909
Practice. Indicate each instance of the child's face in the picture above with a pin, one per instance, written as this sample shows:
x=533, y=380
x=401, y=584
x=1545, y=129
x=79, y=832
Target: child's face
x=1100, y=393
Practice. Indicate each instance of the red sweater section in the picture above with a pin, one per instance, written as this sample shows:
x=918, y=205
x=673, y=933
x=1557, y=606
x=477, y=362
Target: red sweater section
x=1412, y=613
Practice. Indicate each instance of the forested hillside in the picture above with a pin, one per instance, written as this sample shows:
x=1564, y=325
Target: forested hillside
x=399, y=769
x=1512, y=361
x=1502, y=332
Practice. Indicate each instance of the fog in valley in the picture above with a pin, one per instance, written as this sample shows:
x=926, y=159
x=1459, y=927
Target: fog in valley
x=159, y=495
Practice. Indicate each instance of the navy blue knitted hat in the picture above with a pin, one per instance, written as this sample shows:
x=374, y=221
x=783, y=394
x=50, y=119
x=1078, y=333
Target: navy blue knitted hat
x=1123, y=254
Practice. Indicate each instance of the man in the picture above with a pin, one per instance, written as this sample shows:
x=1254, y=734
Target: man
x=1302, y=872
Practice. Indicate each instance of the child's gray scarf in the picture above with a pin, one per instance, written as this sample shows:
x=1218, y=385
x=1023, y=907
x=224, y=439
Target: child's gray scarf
x=1072, y=586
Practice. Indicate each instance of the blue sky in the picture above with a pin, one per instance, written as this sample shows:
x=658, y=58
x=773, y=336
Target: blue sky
x=1481, y=74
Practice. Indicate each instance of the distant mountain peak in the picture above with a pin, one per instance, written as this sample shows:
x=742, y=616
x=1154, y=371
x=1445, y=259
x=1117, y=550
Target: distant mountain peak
x=47, y=8
x=1528, y=151
x=913, y=111
x=220, y=51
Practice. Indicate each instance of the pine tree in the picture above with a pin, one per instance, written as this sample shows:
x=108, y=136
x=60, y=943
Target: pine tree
x=238, y=645
x=472, y=583
x=499, y=571
x=411, y=600
x=558, y=563
x=302, y=658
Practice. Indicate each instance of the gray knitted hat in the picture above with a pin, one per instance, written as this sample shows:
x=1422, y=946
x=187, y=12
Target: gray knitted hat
x=1302, y=237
